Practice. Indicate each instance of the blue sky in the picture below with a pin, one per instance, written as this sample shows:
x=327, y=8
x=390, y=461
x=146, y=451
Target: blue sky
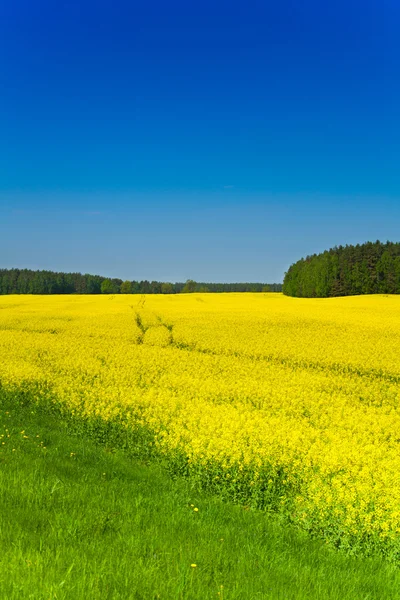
x=218, y=141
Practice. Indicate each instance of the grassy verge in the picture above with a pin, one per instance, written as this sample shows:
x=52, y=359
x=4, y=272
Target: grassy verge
x=81, y=521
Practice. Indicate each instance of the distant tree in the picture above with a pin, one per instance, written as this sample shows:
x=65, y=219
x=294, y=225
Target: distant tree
x=167, y=288
x=135, y=287
x=369, y=268
x=189, y=286
x=145, y=287
x=26, y=281
x=126, y=287
x=93, y=284
x=203, y=289
x=117, y=285
x=266, y=288
x=107, y=287
x=155, y=287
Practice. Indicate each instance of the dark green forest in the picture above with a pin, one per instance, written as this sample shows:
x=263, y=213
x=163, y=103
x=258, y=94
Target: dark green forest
x=25, y=281
x=370, y=268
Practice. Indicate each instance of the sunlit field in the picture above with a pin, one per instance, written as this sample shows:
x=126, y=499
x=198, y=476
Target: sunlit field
x=289, y=405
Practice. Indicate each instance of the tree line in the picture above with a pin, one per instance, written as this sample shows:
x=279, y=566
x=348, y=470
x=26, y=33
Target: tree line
x=370, y=268
x=26, y=281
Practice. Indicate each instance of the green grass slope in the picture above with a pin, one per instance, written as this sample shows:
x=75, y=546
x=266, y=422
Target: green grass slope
x=79, y=521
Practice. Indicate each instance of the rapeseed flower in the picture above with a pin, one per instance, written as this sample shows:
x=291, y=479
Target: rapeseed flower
x=287, y=403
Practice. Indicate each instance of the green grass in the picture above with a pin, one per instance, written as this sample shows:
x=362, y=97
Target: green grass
x=78, y=521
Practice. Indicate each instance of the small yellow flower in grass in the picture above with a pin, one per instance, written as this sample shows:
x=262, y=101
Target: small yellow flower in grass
x=193, y=565
x=196, y=509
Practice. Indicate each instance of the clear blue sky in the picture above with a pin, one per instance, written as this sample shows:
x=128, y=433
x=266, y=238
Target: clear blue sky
x=219, y=141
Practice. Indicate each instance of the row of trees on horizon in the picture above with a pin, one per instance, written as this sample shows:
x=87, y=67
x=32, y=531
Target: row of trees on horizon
x=370, y=268
x=26, y=281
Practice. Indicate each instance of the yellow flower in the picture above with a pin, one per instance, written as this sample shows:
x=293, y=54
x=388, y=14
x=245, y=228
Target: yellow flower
x=297, y=396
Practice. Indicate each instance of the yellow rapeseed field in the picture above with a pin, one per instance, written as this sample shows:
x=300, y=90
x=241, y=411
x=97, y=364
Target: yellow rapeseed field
x=289, y=404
